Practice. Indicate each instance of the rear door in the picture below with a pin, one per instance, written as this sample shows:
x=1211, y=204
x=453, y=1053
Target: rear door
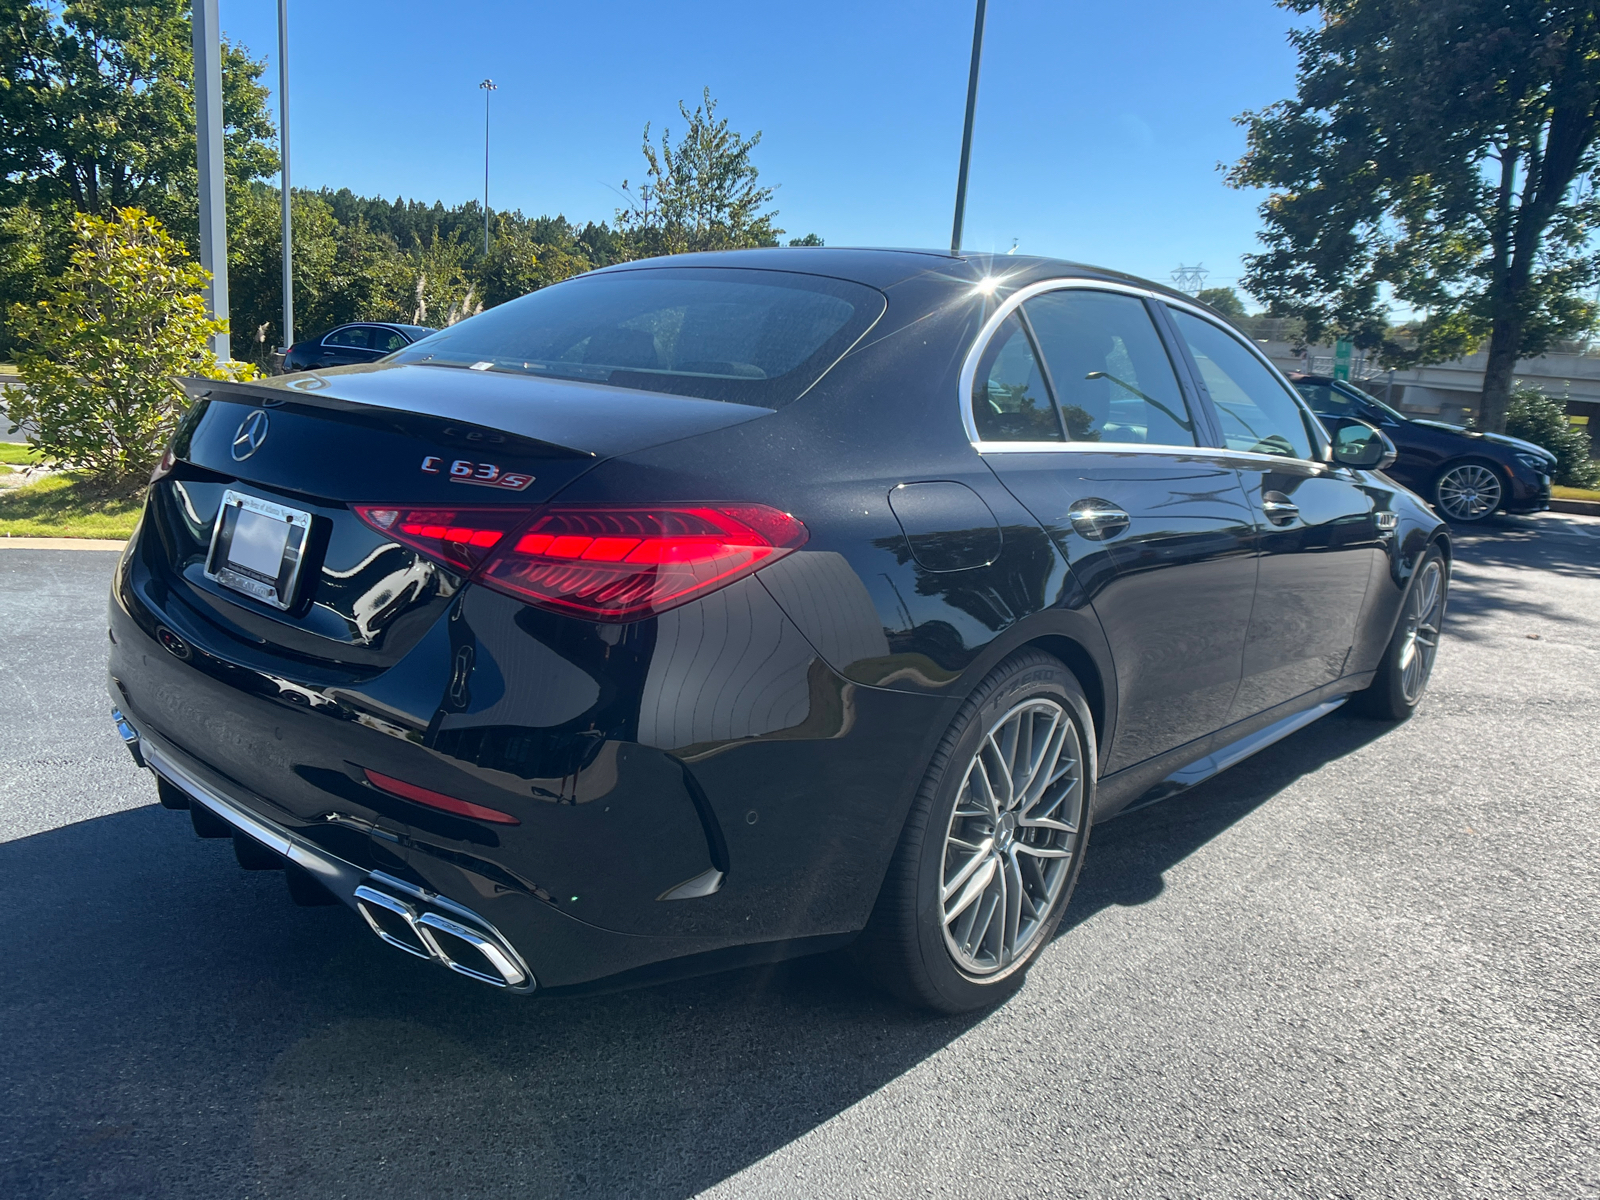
x=1315, y=523
x=351, y=344
x=1078, y=409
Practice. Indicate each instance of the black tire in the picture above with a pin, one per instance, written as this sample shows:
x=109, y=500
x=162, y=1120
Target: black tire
x=905, y=947
x=1394, y=693
x=1469, y=490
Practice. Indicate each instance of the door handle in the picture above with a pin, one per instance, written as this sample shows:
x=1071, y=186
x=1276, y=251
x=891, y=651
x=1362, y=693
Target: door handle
x=1279, y=509
x=1097, y=520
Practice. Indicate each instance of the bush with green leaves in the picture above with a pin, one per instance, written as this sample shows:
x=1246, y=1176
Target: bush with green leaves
x=1535, y=417
x=103, y=351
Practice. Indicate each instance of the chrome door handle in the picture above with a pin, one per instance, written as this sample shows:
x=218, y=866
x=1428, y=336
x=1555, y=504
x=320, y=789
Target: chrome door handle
x=1097, y=520
x=1279, y=509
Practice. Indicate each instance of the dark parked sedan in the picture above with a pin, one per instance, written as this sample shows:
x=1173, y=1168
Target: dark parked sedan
x=360, y=342
x=1467, y=475
x=721, y=609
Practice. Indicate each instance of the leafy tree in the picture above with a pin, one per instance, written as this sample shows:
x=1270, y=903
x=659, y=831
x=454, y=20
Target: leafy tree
x=1539, y=419
x=1223, y=300
x=97, y=106
x=1442, y=151
x=810, y=239
x=105, y=349
x=702, y=193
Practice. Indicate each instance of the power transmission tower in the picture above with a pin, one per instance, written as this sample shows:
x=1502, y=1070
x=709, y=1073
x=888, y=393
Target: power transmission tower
x=1189, y=280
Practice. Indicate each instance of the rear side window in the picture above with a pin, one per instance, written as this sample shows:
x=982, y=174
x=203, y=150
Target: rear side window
x=752, y=337
x=1112, y=377
x=388, y=339
x=1257, y=412
x=1010, y=402
x=352, y=335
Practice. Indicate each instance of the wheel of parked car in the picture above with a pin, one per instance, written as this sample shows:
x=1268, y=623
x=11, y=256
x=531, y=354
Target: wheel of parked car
x=1408, y=662
x=991, y=850
x=1468, y=491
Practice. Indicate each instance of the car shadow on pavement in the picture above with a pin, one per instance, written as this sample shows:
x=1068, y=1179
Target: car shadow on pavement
x=1129, y=855
x=172, y=1026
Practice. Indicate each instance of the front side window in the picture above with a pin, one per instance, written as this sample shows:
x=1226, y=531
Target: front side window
x=1010, y=402
x=1257, y=412
x=747, y=336
x=353, y=336
x=1112, y=377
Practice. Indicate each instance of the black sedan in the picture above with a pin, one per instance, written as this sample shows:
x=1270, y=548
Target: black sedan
x=1467, y=475
x=721, y=609
x=358, y=342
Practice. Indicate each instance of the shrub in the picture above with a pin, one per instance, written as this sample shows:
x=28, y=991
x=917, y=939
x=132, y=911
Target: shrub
x=1535, y=417
x=103, y=352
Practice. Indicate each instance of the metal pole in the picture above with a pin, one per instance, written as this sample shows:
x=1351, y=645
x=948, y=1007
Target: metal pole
x=488, y=85
x=209, y=150
x=283, y=172
x=966, y=132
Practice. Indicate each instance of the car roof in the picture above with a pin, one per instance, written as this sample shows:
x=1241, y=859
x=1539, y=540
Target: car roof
x=883, y=267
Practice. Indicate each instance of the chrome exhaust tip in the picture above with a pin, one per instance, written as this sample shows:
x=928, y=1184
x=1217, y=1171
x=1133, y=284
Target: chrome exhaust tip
x=475, y=950
x=128, y=734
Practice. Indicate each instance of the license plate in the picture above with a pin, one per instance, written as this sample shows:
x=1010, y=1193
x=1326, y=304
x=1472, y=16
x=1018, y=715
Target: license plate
x=257, y=548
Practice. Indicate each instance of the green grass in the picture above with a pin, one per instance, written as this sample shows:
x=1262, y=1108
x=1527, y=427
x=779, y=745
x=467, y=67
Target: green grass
x=1566, y=493
x=18, y=454
x=68, y=506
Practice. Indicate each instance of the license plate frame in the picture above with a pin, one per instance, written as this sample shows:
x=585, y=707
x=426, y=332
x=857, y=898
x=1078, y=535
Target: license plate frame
x=250, y=575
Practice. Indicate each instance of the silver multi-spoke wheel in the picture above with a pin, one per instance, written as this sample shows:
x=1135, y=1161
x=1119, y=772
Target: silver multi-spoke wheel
x=1420, y=632
x=1012, y=835
x=1469, y=492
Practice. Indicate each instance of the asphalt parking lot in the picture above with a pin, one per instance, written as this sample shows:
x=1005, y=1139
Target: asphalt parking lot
x=1360, y=964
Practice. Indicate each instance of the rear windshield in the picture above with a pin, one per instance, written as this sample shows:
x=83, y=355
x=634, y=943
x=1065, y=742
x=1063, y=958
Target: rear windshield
x=752, y=337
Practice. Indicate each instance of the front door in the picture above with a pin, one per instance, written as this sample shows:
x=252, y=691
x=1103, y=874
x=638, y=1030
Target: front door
x=1316, y=529
x=1080, y=414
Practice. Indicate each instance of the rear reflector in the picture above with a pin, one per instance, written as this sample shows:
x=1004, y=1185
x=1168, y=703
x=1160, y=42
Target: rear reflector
x=615, y=563
x=461, y=537
x=449, y=804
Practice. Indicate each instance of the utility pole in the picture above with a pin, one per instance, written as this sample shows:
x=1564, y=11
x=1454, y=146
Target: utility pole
x=283, y=172
x=488, y=85
x=208, y=136
x=966, y=132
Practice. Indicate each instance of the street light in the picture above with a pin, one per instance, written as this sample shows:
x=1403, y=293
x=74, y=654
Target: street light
x=487, y=86
x=966, y=132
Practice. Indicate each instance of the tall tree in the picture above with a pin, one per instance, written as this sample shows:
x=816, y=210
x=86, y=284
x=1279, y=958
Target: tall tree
x=1444, y=152
x=97, y=107
x=702, y=192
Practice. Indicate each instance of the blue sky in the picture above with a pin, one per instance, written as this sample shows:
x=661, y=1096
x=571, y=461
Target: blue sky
x=1099, y=127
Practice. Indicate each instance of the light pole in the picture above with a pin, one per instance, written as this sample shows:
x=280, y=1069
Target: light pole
x=209, y=149
x=488, y=85
x=966, y=132
x=283, y=172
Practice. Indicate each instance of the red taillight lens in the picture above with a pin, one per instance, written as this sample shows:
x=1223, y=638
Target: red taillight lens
x=461, y=537
x=615, y=563
x=433, y=799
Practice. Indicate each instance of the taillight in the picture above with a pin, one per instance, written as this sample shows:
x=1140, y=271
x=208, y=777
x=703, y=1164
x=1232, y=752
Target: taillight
x=433, y=799
x=462, y=537
x=616, y=563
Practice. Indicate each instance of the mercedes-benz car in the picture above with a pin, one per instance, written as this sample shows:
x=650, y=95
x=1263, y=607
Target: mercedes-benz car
x=716, y=610
x=1469, y=475
x=347, y=345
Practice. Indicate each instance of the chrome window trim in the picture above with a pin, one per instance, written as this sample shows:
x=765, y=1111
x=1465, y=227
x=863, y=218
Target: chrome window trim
x=969, y=374
x=351, y=325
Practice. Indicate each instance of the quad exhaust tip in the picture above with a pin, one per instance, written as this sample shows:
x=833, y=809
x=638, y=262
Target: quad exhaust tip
x=477, y=953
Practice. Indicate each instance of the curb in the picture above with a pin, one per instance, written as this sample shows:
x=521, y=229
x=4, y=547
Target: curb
x=57, y=543
x=1587, y=508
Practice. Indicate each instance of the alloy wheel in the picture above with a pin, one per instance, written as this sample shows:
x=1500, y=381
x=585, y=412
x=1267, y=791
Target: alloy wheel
x=1469, y=492
x=1012, y=836
x=1420, y=640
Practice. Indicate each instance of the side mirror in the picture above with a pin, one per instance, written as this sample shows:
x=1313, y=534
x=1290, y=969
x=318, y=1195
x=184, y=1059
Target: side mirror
x=1360, y=445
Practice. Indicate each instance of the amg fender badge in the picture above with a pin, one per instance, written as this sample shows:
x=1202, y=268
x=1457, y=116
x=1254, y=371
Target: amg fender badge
x=482, y=474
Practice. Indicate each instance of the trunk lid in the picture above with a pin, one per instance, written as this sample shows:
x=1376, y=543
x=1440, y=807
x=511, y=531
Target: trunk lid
x=315, y=445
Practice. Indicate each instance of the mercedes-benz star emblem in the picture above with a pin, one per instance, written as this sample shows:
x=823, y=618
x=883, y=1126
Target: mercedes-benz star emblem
x=252, y=432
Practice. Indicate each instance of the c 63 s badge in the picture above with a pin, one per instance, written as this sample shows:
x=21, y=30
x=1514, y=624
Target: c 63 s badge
x=483, y=474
